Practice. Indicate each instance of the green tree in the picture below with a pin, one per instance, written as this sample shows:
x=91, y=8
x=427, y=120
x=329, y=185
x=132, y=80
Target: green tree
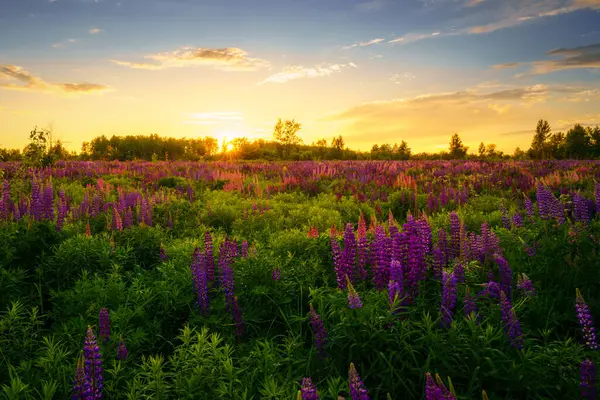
x=539, y=142
x=577, y=142
x=457, y=149
x=286, y=134
x=37, y=153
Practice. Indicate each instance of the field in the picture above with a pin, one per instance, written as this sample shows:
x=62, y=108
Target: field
x=181, y=280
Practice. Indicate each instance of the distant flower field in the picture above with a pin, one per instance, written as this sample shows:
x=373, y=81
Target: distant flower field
x=301, y=280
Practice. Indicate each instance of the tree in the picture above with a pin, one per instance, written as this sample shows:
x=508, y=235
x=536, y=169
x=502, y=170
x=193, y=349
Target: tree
x=286, y=134
x=540, y=139
x=594, y=135
x=577, y=142
x=337, y=143
x=481, y=150
x=36, y=153
x=519, y=154
x=457, y=149
x=491, y=151
x=403, y=151
x=556, y=146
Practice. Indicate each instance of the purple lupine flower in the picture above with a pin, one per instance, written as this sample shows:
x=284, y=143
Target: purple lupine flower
x=432, y=391
x=122, y=351
x=448, y=299
x=276, y=274
x=465, y=246
x=36, y=200
x=588, y=380
x=491, y=289
x=446, y=394
x=470, y=306
x=170, y=222
x=529, y=208
x=210, y=260
x=117, y=221
x=148, y=215
x=79, y=381
x=93, y=367
x=348, y=257
x=425, y=233
x=357, y=387
x=48, y=201
x=200, y=279
x=104, y=324
x=380, y=264
x=353, y=298
x=454, y=245
x=505, y=274
x=308, y=391
x=459, y=272
x=319, y=332
x=438, y=263
x=244, y=248
x=128, y=218
x=161, y=254
x=512, y=326
x=525, y=285
x=442, y=245
x=504, y=217
x=517, y=220
x=336, y=252
x=597, y=196
x=585, y=320
x=581, y=212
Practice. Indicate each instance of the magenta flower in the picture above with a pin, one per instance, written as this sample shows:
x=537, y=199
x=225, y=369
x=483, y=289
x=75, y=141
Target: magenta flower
x=319, y=332
x=353, y=298
x=122, y=351
x=585, y=321
x=512, y=326
x=308, y=391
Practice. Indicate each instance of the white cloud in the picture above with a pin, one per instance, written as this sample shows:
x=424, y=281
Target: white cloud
x=363, y=44
x=95, y=31
x=64, y=43
x=298, y=72
x=227, y=59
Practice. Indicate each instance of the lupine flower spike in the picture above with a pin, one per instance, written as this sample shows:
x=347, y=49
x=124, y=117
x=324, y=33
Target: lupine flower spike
x=353, y=298
x=585, y=320
x=308, y=391
x=357, y=387
x=104, y=324
x=319, y=331
x=122, y=351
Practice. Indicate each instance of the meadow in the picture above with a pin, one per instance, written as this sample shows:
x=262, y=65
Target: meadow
x=299, y=280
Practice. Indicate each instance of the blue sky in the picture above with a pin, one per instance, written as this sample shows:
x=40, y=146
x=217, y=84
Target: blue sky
x=376, y=71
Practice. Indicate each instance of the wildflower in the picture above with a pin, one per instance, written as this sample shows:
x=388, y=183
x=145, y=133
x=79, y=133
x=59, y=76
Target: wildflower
x=336, y=252
x=319, y=331
x=209, y=259
x=459, y=272
x=353, y=298
x=380, y=262
x=446, y=394
x=161, y=254
x=504, y=217
x=588, y=380
x=470, y=306
x=432, y=391
x=348, y=256
x=512, y=326
x=454, y=245
x=505, y=274
x=104, y=324
x=276, y=274
x=525, y=285
x=93, y=367
x=357, y=388
x=394, y=292
x=236, y=313
x=586, y=322
x=448, y=299
x=309, y=391
x=517, y=220
x=244, y=249
x=122, y=351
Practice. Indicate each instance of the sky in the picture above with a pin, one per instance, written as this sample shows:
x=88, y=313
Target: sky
x=373, y=71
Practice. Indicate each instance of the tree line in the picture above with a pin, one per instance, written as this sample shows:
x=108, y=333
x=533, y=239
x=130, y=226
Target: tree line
x=578, y=142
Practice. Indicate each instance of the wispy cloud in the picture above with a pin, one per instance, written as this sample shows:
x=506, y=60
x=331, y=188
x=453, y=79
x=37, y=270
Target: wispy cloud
x=500, y=109
x=95, y=31
x=298, y=72
x=363, y=44
x=64, y=43
x=473, y=3
x=15, y=77
x=413, y=37
x=586, y=57
x=227, y=59
x=399, y=78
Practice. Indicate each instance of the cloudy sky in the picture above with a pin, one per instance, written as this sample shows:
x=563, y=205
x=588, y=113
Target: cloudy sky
x=376, y=71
